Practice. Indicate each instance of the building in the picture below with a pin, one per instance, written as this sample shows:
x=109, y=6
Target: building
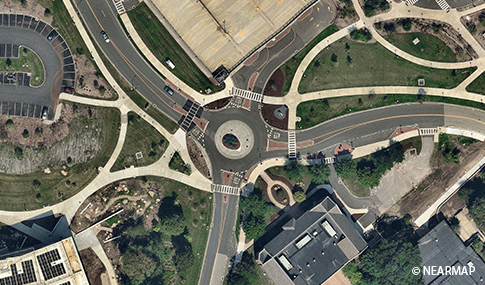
x=440, y=248
x=55, y=264
x=308, y=246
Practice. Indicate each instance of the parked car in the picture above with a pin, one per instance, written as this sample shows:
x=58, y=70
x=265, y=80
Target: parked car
x=168, y=90
x=105, y=36
x=51, y=35
x=44, y=113
x=69, y=90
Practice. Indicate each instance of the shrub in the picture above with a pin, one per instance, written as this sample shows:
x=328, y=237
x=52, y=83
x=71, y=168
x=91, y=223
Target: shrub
x=10, y=125
x=8, y=61
x=361, y=35
x=406, y=24
x=25, y=133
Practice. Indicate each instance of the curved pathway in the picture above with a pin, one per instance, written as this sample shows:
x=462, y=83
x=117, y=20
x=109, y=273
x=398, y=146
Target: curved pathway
x=271, y=183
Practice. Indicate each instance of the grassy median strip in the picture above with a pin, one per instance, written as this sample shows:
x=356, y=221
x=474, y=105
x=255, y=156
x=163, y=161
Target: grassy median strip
x=478, y=85
x=346, y=64
x=32, y=191
x=318, y=111
x=429, y=46
x=28, y=61
x=290, y=67
x=140, y=137
x=163, y=45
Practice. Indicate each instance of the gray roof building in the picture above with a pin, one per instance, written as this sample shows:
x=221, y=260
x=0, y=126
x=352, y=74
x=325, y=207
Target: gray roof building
x=441, y=247
x=307, y=247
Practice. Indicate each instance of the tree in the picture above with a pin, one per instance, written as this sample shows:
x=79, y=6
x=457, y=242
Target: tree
x=295, y=171
x=320, y=173
x=244, y=273
x=406, y=24
x=334, y=57
x=8, y=61
x=256, y=204
x=347, y=47
x=389, y=27
x=349, y=59
x=352, y=272
x=137, y=266
x=345, y=168
x=171, y=225
x=299, y=196
x=477, y=211
x=253, y=226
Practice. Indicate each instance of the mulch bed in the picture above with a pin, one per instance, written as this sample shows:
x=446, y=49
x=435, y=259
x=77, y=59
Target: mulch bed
x=221, y=103
x=267, y=111
x=281, y=179
x=280, y=195
x=274, y=87
x=92, y=265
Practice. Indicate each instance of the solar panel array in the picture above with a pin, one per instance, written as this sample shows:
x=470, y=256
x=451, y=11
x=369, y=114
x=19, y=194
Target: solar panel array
x=48, y=270
x=28, y=275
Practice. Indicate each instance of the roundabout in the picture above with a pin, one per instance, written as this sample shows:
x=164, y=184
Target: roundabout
x=234, y=139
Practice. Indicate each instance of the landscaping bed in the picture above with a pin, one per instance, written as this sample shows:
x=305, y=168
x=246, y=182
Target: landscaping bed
x=267, y=111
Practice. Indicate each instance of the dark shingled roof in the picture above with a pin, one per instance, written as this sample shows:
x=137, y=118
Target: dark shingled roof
x=441, y=247
x=321, y=256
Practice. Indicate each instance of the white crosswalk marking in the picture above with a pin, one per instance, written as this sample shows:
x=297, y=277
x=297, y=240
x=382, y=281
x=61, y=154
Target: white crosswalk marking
x=247, y=94
x=226, y=189
x=330, y=160
x=119, y=6
x=291, y=144
x=443, y=4
x=411, y=2
x=427, y=131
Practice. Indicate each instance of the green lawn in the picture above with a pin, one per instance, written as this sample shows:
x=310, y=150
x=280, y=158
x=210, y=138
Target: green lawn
x=178, y=164
x=197, y=221
x=318, y=111
x=478, y=85
x=163, y=45
x=140, y=136
x=28, y=61
x=371, y=65
x=19, y=193
x=429, y=46
x=290, y=67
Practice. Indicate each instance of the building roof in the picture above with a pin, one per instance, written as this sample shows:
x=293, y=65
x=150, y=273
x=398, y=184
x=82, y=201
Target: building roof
x=56, y=264
x=310, y=246
x=441, y=247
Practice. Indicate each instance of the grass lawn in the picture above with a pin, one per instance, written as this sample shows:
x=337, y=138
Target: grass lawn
x=429, y=46
x=197, y=221
x=28, y=61
x=318, y=111
x=19, y=193
x=478, y=85
x=140, y=136
x=163, y=45
x=290, y=67
x=371, y=65
x=178, y=164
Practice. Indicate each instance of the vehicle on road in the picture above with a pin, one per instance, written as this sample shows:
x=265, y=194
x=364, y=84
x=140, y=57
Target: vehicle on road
x=168, y=90
x=105, y=36
x=69, y=90
x=44, y=113
x=51, y=35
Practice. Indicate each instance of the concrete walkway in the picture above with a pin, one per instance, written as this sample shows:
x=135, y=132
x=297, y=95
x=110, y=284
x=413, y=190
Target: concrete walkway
x=271, y=183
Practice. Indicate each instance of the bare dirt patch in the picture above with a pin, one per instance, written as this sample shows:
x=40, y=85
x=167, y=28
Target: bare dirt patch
x=452, y=206
x=446, y=33
x=267, y=111
x=443, y=176
x=346, y=14
x=274, y=86
x=92, y=266
x=197, y=157
x=479, y=28
x=89, y=82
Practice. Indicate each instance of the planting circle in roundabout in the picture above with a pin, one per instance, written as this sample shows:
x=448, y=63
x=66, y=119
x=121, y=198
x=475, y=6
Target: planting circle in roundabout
x=234, y=139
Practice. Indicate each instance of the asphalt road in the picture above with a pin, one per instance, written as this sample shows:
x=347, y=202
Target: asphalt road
x=42, y=95
x=101, y=15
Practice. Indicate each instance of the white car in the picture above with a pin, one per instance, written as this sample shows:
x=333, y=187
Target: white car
x=105, y=36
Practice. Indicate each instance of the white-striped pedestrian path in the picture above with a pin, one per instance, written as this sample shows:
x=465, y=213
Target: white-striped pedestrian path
x=329, y=160
x=411, y=2
x=247, y=94
x=291, y=144
x=226, y=189
x=427, y=131
x=443, y=4
x=119, y=6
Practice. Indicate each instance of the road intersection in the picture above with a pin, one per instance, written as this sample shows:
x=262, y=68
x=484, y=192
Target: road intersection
x=352, y=128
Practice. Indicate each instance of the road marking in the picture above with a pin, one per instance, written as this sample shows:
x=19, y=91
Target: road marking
x=291, y=144
x=225, y=189
x=443, y=4
x=119, y=6
x=247, y=94
x=411, y=2
x=427, y=131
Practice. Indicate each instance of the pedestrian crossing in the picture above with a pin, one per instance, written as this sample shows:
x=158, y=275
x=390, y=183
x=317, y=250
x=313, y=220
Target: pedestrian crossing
x=411, y=2
x=247, y=94
x=187, y=121
x=427, y=131
x=443, y=4
x=225, y=189
x=119, y=6
x=329, y=160
x=291, y=144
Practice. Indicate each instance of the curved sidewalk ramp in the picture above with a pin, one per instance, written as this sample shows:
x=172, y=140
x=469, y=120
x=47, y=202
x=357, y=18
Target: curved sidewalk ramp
x=271, y=183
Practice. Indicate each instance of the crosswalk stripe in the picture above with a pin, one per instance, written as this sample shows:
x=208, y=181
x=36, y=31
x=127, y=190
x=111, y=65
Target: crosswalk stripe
x=120, y=8
x=427, y=131
x=292, y=144
x=411, y=2
x=226, y=189
x=443, y=4
x=247, y=94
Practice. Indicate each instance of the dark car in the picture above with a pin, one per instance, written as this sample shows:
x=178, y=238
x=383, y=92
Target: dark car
x=69, y=90
x=51, y=35
x=168, y=90
x=105, y=36
x=44, y=113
